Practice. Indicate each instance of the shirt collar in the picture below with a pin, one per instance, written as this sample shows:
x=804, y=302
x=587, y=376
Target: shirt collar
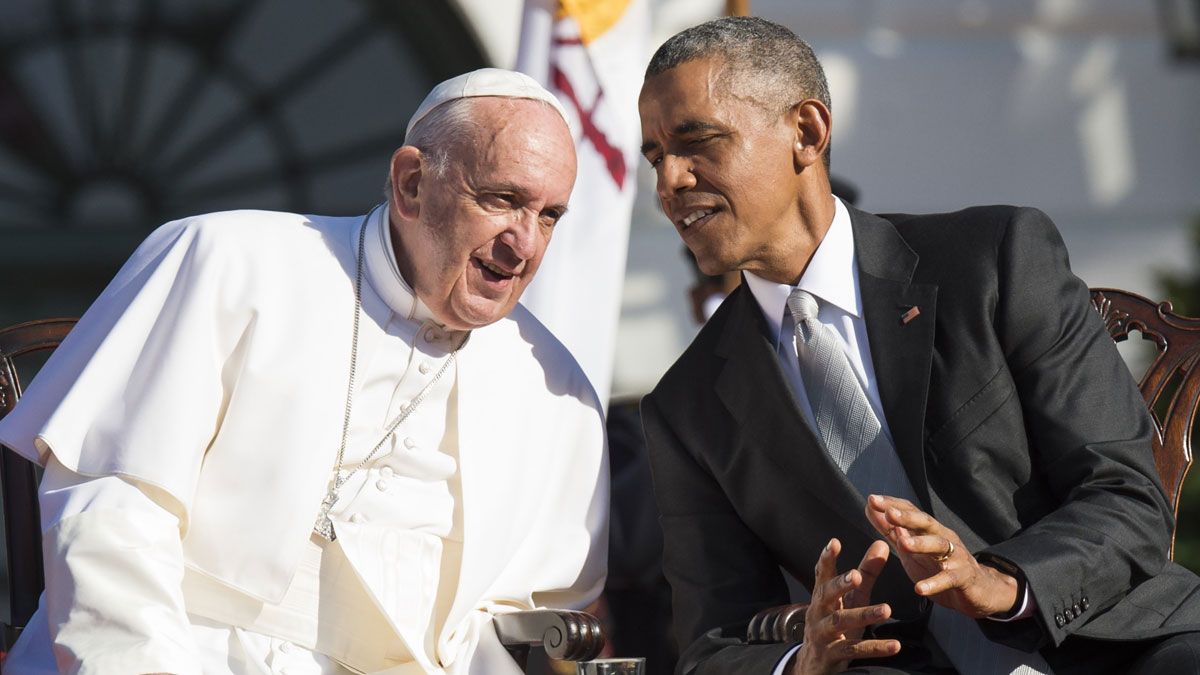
x=831, y=275
x=383, y=273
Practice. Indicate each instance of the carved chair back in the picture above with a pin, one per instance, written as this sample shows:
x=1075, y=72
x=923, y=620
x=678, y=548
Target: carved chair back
x=1170, y=387
x=19, y=479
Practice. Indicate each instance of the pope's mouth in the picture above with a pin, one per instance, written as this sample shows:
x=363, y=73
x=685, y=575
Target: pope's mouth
x=491, y=272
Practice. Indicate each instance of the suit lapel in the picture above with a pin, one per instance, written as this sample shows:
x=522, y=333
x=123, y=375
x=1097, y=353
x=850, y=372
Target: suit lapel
x=768, y=418
x=901, y=350
x=752, y=387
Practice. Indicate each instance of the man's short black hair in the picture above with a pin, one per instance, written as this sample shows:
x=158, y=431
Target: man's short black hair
x=780, y=66
x=749, y=43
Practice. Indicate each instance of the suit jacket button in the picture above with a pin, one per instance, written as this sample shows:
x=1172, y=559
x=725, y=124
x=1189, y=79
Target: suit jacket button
x=1059, y=620
x=1069, y=614
x=1078, y=609
x=1084, y=603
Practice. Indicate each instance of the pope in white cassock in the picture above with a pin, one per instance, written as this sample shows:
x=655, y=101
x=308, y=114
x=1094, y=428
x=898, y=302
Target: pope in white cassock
x=284, y=443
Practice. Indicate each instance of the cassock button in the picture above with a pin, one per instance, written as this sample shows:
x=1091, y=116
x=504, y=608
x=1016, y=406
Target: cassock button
x=430, y=334
x=381, y=485
x=424, y=368
x=1059, y=620
x=410, y=442
x=386, y=472
x=357, y=518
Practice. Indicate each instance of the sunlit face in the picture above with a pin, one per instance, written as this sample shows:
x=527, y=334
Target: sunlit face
x=481, y=228
x=724, y=164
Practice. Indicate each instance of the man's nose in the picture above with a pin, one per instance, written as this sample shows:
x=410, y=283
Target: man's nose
x=674, y=176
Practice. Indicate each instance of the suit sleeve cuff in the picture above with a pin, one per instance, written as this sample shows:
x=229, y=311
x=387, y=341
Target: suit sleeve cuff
x=1022, y=610
x=783, y=663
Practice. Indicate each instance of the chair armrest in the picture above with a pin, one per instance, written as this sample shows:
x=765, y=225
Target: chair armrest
x=784, y=623
x=566, y=635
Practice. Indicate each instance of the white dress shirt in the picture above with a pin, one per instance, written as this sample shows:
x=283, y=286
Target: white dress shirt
x=832, y=278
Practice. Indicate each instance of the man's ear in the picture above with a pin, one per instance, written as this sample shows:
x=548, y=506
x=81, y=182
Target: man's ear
x=406, y=176
x=813, y=124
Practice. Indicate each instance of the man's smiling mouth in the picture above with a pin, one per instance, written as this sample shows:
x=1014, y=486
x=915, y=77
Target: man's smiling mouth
x=696, y=215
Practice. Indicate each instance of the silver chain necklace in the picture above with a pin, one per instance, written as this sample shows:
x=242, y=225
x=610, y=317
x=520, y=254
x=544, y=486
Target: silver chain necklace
x=324, y=525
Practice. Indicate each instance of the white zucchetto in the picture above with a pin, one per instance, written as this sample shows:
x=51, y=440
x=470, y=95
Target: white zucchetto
x=485, y=82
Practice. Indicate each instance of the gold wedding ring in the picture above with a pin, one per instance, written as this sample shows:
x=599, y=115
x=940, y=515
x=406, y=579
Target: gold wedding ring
x=945, y=556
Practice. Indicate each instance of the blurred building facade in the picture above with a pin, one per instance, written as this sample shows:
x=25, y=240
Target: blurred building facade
x=1076, y=107
x=118, y=116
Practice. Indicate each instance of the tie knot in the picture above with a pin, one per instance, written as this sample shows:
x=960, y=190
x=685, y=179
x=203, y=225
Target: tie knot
x=802, y=305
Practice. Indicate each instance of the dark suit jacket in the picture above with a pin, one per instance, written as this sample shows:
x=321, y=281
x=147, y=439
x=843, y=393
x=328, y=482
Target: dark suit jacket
x=1016, y=420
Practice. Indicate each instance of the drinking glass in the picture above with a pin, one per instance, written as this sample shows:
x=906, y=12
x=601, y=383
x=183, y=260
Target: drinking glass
x=631, y=666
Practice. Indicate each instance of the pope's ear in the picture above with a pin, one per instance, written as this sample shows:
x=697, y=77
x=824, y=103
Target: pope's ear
x=812, y=123
x=406, y=177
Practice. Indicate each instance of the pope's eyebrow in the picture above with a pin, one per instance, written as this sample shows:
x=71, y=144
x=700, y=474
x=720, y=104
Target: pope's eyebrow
x=522, y=195
x=507, y=188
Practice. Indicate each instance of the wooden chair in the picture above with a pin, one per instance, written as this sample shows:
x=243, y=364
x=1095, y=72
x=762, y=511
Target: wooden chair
x=565, y=635
x=1170, y=387
x=19, y=480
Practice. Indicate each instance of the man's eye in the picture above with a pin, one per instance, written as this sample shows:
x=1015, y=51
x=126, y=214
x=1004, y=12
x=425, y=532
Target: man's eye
x=551, y=218
x=654, y=161
x=702, y=140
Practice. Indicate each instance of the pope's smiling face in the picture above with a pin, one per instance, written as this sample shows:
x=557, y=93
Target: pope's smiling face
x=470, y=237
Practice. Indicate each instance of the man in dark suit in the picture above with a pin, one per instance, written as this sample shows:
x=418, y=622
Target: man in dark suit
x=930, y=398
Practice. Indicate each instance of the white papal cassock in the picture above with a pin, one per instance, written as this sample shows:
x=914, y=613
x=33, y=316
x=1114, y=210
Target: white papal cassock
x=190, y=424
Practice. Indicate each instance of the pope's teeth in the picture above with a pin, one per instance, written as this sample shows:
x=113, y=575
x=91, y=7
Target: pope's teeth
x=495, y=269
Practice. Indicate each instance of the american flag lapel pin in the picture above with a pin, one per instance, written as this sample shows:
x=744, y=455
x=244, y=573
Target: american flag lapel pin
x=912, y=313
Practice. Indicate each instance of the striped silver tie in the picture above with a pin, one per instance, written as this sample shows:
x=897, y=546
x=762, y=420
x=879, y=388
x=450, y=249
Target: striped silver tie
x=843, y=416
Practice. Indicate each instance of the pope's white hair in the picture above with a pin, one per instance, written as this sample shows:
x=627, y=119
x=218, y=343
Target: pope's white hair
x=442, y=131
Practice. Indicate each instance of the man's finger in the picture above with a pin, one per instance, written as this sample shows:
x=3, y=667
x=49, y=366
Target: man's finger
x=878, y=520
x=872, y=564
x=884, y=502
x=849, y=650
x=826, y=569
x=842, y=621
x=949, y=578
x=913, y=519
x=833, y=594
x=929, y=544
x=870, y=567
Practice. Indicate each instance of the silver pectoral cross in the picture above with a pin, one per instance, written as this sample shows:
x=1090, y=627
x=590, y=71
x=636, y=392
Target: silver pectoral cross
x=324, y=525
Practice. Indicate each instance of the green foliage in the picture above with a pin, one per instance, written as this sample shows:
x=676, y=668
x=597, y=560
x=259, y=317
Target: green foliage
x=1183, y=288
